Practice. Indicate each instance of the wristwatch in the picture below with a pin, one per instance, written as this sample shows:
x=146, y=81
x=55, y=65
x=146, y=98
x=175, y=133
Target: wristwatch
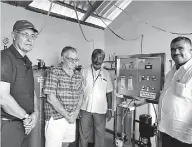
x=26, y=116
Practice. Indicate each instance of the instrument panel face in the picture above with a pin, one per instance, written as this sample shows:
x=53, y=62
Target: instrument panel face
x=140, y=75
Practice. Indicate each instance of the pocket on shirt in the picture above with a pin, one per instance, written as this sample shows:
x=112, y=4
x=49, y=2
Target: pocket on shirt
x=104, y=82
x=102, y=85
x=21, y=71
x=188, y=91
x=104, y=79
x=183, y=91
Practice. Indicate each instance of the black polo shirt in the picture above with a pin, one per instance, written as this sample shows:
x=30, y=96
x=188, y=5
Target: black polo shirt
x=17, y=70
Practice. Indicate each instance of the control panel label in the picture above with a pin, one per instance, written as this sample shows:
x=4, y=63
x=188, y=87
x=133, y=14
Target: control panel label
x=122, y=82
x=147, y=94
x=130, y=83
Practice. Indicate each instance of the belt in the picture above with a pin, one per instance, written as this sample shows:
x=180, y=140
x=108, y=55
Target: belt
x=6, y=119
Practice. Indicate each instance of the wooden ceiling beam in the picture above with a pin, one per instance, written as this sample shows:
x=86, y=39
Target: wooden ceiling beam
x=62, y=17
x=18, y=3
x=83, y=4
x=78, y=9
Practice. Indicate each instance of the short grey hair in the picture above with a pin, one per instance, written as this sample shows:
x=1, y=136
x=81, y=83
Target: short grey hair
x=66, y=49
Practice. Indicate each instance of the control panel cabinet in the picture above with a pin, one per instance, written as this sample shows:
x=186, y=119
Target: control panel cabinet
x=140, y=75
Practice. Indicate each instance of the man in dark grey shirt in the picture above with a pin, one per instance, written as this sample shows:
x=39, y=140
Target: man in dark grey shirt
x=18, y=101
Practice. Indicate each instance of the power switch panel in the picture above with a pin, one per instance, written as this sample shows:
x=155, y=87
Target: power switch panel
x=140, y=75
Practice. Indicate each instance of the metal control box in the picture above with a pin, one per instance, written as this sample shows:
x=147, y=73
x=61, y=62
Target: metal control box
x=140, y=75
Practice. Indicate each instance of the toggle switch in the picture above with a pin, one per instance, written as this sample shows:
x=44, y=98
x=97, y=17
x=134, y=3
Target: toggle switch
x=143, y=78
x=154, y=78
x=143, y=88
x=147, y=89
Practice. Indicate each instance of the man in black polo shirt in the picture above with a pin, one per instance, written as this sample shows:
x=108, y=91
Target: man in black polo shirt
x=18, y=101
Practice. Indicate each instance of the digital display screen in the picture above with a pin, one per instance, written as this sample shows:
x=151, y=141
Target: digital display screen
x=148, y=66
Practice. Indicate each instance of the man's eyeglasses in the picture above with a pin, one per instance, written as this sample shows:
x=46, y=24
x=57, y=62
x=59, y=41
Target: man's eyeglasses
x=72, y=59
x=27, y=36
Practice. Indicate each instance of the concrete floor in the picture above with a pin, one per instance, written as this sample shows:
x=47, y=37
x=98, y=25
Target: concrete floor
x=108, y=142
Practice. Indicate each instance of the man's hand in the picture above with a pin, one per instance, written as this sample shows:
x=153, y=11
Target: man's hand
x=26, y=125
x=30, y=122
x=67, y=116
x=109, y=115
x=73, y=116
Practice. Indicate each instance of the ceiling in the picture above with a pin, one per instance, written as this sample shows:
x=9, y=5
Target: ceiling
x=94, y=13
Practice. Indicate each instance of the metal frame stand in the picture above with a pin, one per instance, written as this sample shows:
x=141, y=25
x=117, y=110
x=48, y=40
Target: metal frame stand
x=129, y=109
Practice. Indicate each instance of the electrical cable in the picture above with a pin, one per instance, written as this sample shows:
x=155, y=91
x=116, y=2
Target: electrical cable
x=48, y=13
x=81, y=27
x=111, y=29
x=174, y=33
x=155, y=112
x=142, y=36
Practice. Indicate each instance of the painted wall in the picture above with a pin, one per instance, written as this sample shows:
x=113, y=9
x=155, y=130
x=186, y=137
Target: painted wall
x=173, y=16
x=56, y=34
x=170, y=16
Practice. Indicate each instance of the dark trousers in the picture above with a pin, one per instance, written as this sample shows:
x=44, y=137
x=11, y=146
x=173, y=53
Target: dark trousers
x=13, y=135
x=85, y=125
x=168, y=141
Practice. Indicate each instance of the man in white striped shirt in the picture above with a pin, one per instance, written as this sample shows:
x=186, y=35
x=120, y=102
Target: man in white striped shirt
x=175, y=105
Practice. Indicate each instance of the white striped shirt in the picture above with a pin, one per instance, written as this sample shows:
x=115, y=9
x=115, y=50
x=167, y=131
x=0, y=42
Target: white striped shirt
x=175, y=104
